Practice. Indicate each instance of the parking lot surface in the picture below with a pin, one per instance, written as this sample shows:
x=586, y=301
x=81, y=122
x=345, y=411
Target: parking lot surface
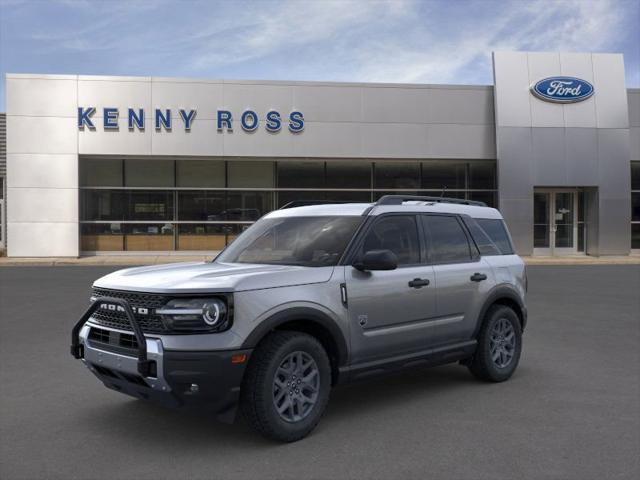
x=572, y=410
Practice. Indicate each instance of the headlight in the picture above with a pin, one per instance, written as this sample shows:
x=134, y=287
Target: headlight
x=195, y=314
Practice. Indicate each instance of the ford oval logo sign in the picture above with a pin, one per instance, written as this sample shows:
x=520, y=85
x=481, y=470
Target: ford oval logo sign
x=562, y=89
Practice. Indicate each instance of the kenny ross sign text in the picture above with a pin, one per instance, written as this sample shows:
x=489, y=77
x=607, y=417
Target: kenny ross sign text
x=162, y=119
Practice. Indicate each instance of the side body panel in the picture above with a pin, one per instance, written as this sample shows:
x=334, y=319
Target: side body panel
x=386, y=316
x=460, y=299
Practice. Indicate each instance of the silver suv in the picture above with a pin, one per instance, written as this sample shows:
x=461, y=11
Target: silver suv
x=307, y=298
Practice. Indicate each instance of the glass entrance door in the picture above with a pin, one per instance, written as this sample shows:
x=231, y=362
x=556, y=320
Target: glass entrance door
x=555, y=222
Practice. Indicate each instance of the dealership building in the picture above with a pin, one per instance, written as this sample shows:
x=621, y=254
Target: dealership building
x=119, y=165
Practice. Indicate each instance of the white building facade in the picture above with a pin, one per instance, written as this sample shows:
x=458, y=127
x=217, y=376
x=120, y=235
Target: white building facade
x=140, y=164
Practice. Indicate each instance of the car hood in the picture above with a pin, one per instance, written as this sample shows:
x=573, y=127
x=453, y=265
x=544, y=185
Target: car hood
x=206, y=276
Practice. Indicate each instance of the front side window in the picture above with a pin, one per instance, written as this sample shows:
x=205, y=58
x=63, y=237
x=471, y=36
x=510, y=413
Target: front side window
x=447, y=241
x=398, y=233
x=304, y=241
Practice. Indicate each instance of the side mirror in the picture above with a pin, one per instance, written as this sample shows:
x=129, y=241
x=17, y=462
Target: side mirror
x=377, y=260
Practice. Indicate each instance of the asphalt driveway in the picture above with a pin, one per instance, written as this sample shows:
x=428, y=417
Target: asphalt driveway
x=571, y=411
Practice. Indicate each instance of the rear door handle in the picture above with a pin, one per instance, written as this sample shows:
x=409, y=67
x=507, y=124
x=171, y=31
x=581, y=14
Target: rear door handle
x=418, y=283
x=478, y=277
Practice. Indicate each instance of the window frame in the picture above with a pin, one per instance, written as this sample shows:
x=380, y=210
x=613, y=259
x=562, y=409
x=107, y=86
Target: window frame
x=474, y=253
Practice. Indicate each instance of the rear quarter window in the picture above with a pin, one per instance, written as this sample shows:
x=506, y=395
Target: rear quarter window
x=448, y=242
x=497, y=232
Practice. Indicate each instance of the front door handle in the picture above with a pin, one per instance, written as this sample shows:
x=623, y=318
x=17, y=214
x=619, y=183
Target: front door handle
x=418, y=283
x=478, y=277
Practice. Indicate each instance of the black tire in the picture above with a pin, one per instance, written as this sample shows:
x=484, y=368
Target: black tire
x=258, y=393
x=484, y=364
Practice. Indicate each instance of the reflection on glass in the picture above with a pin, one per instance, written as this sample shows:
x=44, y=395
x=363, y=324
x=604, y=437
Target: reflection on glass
x=285, y=197
x=148, y=237
x=541, y=208
x=635, y=235
x=635, y=175
x=441, y=175
x=635, y=207
x=449, y=243
x=582, y=226
x=356, y=174
x=200, y=173
x=300, y=174
x=150, y=205
x=250, y=174
x=103, y=205
x=200, y=205
x=541, y=220
x=541, y=236
x=304, y=241
x=564, y=236
x=564, y=219
x=378, y=195
x=482, y=175
x=203, y=236
x=106, y=237
x=246, y=206
x=101, y=172
x=238, y=194
x=149, y=173
x=581, y=237
x=397, y=175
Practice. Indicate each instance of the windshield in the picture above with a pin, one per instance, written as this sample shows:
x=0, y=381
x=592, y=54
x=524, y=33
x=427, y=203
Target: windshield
x=305, y=241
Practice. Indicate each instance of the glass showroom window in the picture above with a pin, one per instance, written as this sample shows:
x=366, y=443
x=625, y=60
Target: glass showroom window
x=635, y=205
x=157, y=204
x=444, y=176
x=335, y=180
x=397, y=175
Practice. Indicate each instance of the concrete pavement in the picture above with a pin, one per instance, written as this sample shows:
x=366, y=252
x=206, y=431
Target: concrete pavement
x=570, y=412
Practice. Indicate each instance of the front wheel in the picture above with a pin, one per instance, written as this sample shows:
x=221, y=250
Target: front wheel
x=286, y=387
x=499, y=345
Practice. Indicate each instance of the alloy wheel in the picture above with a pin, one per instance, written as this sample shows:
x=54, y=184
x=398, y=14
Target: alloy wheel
x=502, y=343
x=296, y=385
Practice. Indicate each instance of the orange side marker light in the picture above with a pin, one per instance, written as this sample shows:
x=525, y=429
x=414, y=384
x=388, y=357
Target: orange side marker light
x=239, y=358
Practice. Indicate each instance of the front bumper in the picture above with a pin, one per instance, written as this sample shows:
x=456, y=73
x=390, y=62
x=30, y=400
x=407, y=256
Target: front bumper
x=173, y=378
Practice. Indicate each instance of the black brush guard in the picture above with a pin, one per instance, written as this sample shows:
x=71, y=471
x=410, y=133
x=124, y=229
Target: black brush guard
x=144, y=365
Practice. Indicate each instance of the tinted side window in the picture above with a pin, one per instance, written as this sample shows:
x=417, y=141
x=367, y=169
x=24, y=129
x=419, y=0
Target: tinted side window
x=398, y=233
x=498, y=233
x=480, y=237
x=447, y=241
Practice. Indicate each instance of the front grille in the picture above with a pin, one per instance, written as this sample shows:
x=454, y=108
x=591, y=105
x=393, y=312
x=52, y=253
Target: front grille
x=149, y=323
x=118, y=342
x=126, y=340
x=144, y=300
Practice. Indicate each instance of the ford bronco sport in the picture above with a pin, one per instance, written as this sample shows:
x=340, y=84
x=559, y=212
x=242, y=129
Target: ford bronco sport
x=307, y=298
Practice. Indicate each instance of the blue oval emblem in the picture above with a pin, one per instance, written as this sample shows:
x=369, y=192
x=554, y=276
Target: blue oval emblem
x=562, y=89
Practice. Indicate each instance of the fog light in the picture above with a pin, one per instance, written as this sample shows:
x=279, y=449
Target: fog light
x=239, y=358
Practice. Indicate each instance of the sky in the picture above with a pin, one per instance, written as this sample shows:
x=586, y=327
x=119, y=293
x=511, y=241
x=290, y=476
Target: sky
x=403, y=41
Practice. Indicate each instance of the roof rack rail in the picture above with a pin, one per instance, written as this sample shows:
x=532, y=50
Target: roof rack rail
x=400, y=199
x=307, y=203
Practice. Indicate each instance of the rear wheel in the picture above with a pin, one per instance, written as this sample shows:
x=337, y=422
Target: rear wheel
x=499, y=345
x=286, y=387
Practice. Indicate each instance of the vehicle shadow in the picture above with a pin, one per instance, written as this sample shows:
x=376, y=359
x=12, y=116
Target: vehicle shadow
x=139, y=421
